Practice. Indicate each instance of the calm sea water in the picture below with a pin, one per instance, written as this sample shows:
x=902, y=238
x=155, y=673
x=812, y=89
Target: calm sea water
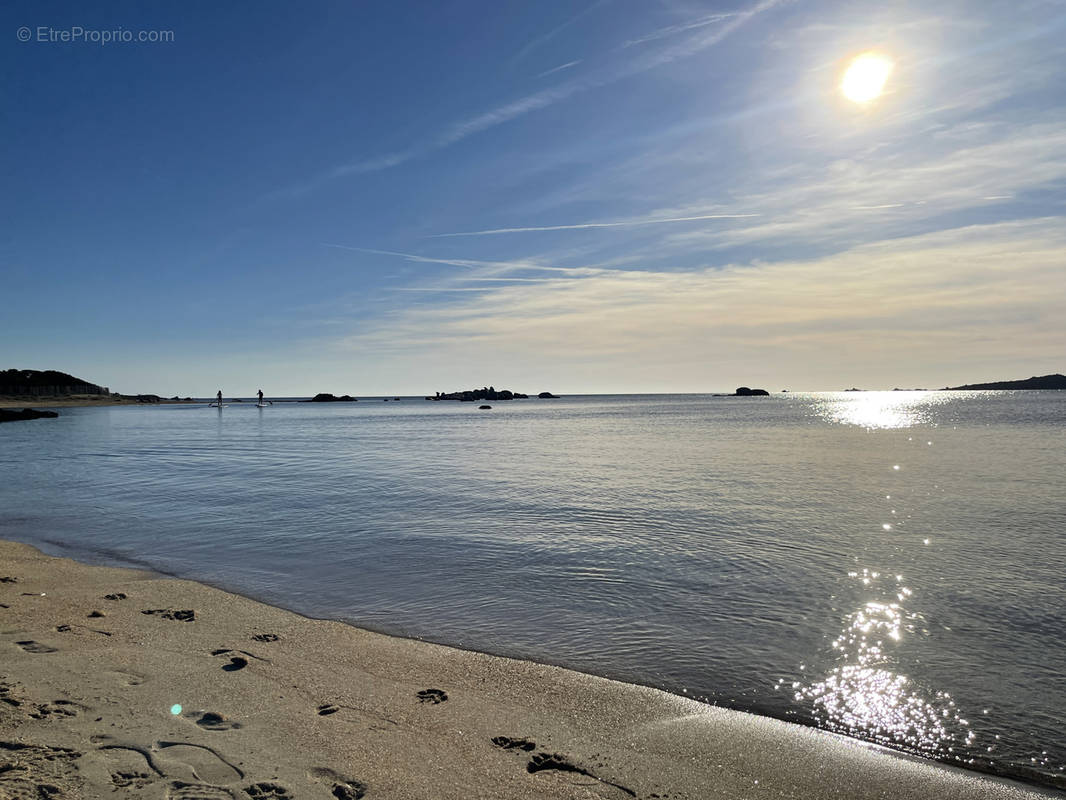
x=891, y=565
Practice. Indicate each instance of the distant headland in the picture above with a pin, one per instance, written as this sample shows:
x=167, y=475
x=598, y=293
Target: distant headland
x=1043, y=382
x=54, y=388
x=45, y=383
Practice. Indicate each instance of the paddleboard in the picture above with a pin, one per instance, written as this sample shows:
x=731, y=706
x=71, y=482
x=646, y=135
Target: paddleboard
x=263, y=405
x=216, y=405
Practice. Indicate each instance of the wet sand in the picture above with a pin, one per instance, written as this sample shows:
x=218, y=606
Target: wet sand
x=96, y=660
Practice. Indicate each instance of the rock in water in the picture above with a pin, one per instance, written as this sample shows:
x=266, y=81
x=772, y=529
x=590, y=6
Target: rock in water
x=11, y=415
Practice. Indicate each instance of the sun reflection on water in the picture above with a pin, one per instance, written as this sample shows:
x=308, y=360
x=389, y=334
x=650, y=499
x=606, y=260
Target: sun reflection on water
x=880, y=409
x=865, y=695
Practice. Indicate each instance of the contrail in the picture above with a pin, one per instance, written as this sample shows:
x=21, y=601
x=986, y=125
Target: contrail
x=595, y=225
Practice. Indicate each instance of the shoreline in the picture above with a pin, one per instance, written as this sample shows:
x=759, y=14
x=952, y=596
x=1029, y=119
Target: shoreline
x=7, y=401
x=275, y=704
x=85, y=402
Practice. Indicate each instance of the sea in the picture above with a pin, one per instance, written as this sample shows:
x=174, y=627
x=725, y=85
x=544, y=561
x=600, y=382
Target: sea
x=886, y=565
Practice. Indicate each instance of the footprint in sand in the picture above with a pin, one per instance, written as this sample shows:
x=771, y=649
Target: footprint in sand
x=341, y=787
x=185, y=615
x=237, y=658
x=539, y=762
x=327, y=709
x=31, y=646
x=125, y=779
x=33, y=771
x=542, y=761
x=265, y=637
x=433, y=696
x=209, y=720
x=129, y=768
x=179, y=790
x=267, y=791
x=194, y=772
x=57, y=708
x=206, y=763
x=123, y=678
x=7, y=694
x=115, y=596
x=507, y=743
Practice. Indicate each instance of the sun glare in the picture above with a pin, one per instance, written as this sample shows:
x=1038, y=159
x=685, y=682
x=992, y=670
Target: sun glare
x=865, y=77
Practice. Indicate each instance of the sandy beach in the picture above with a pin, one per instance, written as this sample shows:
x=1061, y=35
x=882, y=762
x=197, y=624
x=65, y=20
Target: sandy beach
x=123, y=683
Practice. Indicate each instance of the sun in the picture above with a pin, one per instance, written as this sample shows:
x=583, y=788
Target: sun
x=864, y=80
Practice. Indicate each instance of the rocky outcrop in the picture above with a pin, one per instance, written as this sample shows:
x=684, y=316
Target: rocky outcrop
x=744, y=391
x=486, y=393
x=11, y=415
x=548, y=396
x=326, y=397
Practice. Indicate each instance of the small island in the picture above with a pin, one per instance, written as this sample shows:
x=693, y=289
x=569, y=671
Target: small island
x=486, y=393
x=326, y=397
x=744, y=391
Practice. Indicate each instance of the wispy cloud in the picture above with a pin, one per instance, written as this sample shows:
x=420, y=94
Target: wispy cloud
x=583, y=225
x=672, y=30
x=974, y=296
x=559, y=68
x=918, y=182
x=433, y=289
x=543, y=39
x=542, y=99
x=841, y=202
x=488, y=268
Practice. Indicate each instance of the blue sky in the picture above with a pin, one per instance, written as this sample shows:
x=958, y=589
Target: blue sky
x=593, y=196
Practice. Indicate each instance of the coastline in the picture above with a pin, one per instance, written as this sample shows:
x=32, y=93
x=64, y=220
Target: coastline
x=327, y=709
x=87, y=401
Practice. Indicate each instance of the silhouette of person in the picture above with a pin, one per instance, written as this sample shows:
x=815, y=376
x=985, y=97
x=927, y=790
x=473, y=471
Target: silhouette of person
x=219, y=395
x=260, y=397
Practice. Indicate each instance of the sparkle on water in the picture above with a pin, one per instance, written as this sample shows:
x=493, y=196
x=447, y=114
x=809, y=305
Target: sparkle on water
x=864, y=696
x=881, y=410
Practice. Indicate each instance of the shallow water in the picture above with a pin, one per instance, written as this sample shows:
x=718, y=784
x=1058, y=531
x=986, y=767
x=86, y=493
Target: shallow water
x=884, y=564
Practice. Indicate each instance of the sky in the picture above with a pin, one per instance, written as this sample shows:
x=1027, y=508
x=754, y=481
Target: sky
x=590, y=196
